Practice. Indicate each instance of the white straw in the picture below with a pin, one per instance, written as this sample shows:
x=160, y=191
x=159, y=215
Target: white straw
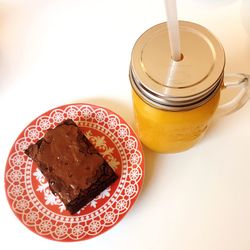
x=173, y=29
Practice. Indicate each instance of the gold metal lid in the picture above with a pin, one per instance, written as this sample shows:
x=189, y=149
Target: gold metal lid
x=170, y=84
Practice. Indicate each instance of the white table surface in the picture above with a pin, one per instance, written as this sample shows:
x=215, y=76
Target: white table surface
x=54, y=52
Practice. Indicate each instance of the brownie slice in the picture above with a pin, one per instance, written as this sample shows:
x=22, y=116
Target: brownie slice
x=74, y=169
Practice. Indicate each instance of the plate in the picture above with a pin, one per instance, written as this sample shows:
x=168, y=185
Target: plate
x=42, y=212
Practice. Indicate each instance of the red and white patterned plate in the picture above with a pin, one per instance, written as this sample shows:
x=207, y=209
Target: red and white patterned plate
x=30, y=197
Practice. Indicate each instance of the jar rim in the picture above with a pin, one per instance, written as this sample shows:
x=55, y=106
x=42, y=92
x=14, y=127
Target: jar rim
x=169, y=105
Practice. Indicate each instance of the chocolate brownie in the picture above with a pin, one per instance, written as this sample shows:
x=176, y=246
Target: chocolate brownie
x=74, y=169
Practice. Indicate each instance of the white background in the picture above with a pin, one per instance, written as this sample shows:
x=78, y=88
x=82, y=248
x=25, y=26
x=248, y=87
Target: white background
x=58, y=52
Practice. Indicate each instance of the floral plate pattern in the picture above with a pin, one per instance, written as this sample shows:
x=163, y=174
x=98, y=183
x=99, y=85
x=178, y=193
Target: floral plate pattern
x=42, y=212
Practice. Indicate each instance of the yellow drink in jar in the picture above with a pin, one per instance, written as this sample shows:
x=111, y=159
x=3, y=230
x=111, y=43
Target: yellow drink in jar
x=168, y=131
x=174, y=102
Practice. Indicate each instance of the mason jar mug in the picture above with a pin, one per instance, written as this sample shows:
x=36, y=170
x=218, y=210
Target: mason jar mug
x=175, y=101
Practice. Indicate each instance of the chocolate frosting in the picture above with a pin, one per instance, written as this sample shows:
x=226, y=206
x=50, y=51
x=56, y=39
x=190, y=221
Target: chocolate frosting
x=68, y=160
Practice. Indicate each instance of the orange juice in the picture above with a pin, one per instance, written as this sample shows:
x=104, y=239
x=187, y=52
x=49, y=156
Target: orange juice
x=169, y=131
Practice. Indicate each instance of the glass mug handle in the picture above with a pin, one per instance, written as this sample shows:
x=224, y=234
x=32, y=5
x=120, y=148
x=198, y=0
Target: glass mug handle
x=231, y=82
